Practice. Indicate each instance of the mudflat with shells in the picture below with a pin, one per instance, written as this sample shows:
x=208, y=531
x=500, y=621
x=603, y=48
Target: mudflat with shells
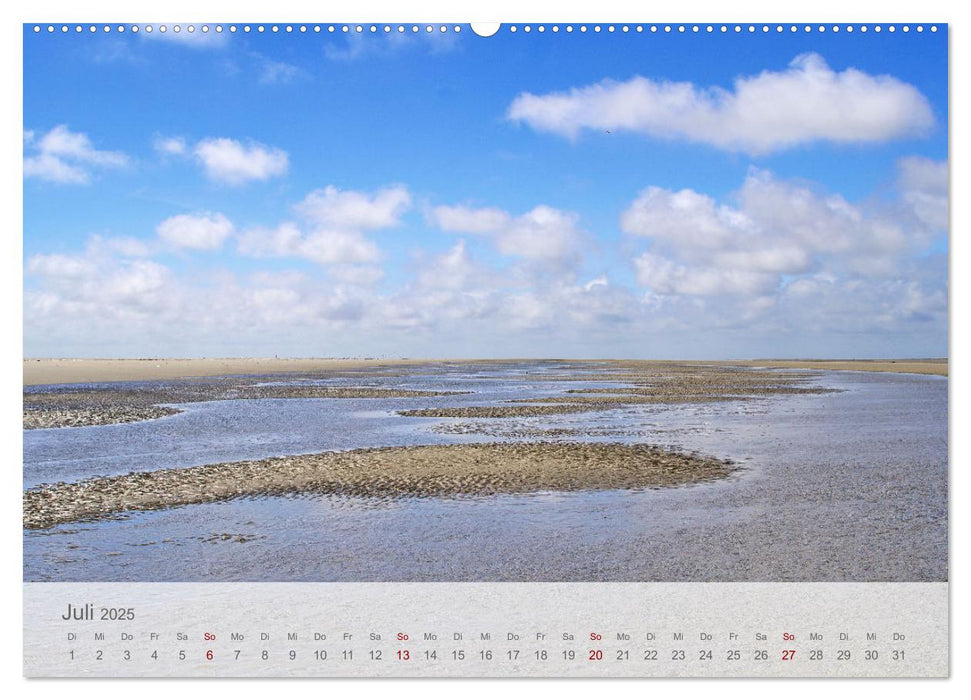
x=425, y=471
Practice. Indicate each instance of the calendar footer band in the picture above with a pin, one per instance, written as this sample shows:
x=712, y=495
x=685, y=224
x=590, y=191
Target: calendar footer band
x=486, y=629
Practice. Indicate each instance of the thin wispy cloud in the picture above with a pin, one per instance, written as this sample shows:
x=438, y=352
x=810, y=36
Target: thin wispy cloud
x=114, y=49
x=196, y=39
x=132, y=49
x=773, y=110
x=355, y=46
x=170, y=145
x=272, y=72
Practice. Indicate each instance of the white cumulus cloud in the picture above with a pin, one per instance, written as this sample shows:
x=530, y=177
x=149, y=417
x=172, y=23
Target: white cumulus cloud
x=87, y=290
x=281, y=241
x=66, y=157
x=924, y=183
x=542, y=234
x=335, y=223
x=453, y=269
x=463, y=219
x=348, y=209
x=205, y=231
x=770, y=111
x=778, y=230
x=327, y=247
x=665, y=276
x=231, y=162
x=59, y=266
x=338, y=247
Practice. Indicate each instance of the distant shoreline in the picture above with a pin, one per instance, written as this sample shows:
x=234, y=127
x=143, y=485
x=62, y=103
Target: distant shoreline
x=72, y=371
x=936, y=366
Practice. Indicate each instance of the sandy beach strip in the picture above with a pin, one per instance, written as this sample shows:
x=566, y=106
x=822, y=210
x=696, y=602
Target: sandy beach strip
x=933, y=366
x=73, y=371
x=425, y=471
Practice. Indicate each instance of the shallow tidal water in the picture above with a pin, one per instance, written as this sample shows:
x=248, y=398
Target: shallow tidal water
x=849, y=486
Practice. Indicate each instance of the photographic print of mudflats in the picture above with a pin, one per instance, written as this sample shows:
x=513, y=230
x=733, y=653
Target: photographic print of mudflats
x=415, y=304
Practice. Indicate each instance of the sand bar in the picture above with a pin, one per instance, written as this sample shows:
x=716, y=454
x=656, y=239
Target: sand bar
x=435, y=470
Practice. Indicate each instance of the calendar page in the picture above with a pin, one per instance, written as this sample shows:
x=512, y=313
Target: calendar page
x=423, y=349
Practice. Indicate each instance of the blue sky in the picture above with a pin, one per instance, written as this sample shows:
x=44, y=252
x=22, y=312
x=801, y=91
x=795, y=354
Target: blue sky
x=569, y=194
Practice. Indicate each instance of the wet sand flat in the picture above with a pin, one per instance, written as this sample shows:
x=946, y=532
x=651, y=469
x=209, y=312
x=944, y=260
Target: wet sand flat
x=78, y=407
x=650, y=383
x=438, y=470
x=838, y=476
x=643, y=383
